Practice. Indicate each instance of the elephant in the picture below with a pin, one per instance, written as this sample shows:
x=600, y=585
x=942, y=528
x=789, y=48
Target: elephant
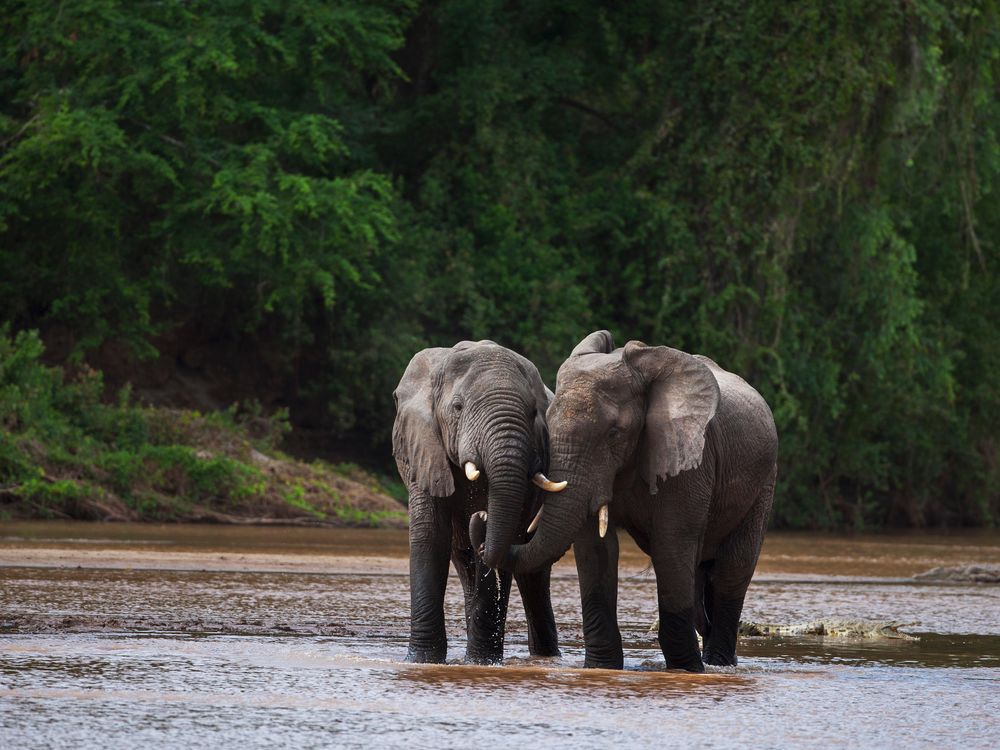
x=681, y=454
x=470, y=435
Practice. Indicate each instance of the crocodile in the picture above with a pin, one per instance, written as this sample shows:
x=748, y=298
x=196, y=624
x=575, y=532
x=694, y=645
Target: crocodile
x=831, y=628
x=826, y=627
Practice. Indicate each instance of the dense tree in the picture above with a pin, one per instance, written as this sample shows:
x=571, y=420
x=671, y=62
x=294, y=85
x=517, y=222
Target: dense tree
x=805, y=192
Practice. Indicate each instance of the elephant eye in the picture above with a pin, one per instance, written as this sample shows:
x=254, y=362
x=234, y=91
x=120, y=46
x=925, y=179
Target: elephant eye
x=457, y=406
x=613, y=433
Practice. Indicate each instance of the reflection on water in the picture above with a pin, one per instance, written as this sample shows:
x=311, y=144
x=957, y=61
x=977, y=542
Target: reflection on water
x=932, y=650
x=565, y=684
x=206, y=537
x=289, y=641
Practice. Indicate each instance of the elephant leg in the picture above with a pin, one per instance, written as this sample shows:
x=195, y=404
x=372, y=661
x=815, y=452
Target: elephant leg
x=597, y=567
x=734, y=565
x=702, y=600
x=676, y=549
x=543, y=640
x=430, y=544
x=676, y=603
x=486, y=595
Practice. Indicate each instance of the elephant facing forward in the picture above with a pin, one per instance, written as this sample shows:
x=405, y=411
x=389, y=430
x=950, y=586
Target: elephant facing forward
x=469, y=435
x=682, y=455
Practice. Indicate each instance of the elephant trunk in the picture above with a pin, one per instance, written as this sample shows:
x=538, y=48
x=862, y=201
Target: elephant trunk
x=564, y=513
x=508, y=459
x=562, y=519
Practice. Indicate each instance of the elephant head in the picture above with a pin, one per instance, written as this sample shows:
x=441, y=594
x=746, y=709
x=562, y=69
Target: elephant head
x=641, y=409
x=474, y=409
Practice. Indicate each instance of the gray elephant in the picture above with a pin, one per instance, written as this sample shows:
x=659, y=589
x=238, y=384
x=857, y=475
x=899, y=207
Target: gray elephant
x=470, y=436
x=682, y=455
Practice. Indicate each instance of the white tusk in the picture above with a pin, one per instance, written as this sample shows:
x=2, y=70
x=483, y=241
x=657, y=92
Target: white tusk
x=534, y=523
x=602, y=520
x=471, y=471
x=547, y=484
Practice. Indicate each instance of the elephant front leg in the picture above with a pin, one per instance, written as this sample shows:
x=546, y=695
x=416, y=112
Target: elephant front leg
x=543, y=640
x=486, y=595
x=675, y=593
x=430, y=543
x=597, y=567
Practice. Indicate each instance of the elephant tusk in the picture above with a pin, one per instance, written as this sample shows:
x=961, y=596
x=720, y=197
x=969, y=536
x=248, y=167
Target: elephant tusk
x=602, y=520
x=471, y=471
x=534, y=523
x=547, y=484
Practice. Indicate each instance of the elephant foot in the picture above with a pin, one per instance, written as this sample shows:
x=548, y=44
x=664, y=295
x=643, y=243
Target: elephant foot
x=688, y=664
x=546, y=650
x=606, y=661
x=678, y=641
x=720, y=658
x=545, y=644
x=483, y=657
x=432, y=655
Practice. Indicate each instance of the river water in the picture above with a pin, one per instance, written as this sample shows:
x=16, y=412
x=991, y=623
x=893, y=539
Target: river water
x=119, y=635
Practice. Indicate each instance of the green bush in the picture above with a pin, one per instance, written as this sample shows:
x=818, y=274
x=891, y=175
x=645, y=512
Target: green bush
x=63, y=446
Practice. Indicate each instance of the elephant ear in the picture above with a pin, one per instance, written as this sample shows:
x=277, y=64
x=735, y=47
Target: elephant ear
x=682, y=396
x=542, y=429
x=599, y=342
x=416, y=438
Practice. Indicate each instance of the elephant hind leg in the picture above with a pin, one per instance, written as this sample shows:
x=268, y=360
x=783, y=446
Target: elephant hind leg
x=727, y=586
x=543, y=639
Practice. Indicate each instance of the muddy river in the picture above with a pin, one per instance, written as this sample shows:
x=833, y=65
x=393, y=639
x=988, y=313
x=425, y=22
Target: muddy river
x=206, y=636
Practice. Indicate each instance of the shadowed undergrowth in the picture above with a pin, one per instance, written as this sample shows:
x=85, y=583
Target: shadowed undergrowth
x=66, y=452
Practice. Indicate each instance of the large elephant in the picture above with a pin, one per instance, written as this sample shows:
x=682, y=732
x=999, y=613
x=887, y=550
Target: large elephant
x=470, y=436
x=682, y=455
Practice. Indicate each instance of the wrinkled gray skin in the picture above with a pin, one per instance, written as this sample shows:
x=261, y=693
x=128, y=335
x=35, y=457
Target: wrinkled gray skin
x=478, y=402
x=685, y=455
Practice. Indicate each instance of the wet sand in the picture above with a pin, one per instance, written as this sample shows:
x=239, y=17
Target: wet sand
x=116, y=635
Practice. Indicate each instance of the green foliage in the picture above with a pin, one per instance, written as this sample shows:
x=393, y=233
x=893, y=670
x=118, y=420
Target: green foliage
x=66, y=452
x=159, y=151
x=296, y=497
x=806, y=192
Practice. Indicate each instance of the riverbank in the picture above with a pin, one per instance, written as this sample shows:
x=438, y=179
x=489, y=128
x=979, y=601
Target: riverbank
x=71, y=451
x=190, y=467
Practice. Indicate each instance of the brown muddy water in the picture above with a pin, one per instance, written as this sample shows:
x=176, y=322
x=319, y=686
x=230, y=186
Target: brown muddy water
x=119, y=635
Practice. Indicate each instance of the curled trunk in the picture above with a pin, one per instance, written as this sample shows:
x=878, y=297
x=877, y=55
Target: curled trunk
x=564, y=515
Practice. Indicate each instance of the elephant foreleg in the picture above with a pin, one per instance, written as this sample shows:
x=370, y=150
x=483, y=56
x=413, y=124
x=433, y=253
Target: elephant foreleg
x=702, y=600
x=543, y=640
x=676, y=604
x=597, y=567
x=675, y=551
x=486, y=595
x=430, y=544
